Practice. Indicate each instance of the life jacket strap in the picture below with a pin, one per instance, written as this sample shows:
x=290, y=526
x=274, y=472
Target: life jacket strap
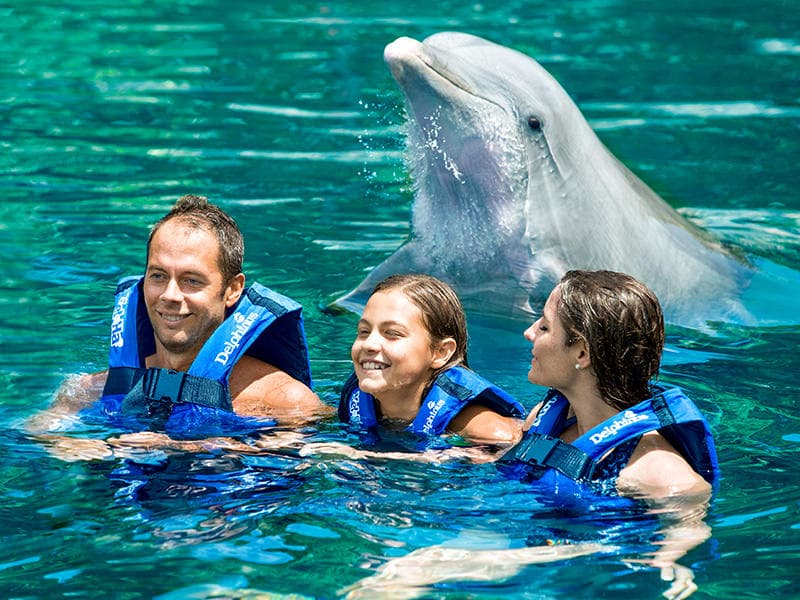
x=271, y=305
x=543, y=450
x=662, y=410
x=451, y=388
x=120, y=380
x=172, y=387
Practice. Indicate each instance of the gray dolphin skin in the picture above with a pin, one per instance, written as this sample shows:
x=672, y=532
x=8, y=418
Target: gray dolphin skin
x=513, y=188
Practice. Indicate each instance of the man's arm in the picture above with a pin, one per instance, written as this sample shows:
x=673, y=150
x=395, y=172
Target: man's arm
x=75, y=393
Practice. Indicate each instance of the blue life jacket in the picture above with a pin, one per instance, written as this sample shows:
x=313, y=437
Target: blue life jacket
x=452, y=390
x=197, y=403
x=567, y=469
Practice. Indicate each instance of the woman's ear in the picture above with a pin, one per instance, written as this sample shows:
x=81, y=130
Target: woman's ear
x=234, y=290
x=583, y=359
x=443, y=352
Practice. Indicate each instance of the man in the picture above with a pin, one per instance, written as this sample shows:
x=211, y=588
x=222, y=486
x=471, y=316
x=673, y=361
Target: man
x=191, y=347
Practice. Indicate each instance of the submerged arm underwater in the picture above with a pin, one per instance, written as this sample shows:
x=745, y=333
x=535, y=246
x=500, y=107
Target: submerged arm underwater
x=681, y=517
x=683, y=528
x=65, y=436
x=413, y=575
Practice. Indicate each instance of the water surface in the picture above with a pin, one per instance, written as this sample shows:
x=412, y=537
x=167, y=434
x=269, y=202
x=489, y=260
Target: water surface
x=285, y=114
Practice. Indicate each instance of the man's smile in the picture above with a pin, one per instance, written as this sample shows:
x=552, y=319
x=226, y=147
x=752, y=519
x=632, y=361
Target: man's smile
x=170, y=318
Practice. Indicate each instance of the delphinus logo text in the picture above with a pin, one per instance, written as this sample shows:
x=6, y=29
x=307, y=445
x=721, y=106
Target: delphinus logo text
x=118, y=322
x=434, y=408
x=232, y=343
x=627, y=418
x=354, y=407
x=542, y=411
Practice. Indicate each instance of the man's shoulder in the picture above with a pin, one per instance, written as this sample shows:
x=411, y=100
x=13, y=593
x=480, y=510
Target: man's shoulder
x=259, y=388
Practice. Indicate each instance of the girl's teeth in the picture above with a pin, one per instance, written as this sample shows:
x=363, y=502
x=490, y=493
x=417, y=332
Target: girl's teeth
x=373, y=366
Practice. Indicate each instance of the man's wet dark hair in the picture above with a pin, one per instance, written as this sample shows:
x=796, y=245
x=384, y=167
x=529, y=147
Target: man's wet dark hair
x=198, y=212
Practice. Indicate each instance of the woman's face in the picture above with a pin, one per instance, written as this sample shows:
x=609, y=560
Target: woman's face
x=392, y=354
x=553, y=362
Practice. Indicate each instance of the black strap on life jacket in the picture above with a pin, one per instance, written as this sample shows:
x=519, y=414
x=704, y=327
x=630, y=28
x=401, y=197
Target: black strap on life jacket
x=120, y=380
x=662, y=410
x=166, y=385
x=546, y=451
x=153, y=392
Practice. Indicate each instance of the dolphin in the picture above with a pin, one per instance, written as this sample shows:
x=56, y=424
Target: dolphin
x=512, y=188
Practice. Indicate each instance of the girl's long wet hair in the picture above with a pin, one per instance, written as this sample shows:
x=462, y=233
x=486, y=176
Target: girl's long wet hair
x=442, y=313
x=621, y=321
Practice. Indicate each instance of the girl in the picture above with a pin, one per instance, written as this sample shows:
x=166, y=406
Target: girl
x=410, y=361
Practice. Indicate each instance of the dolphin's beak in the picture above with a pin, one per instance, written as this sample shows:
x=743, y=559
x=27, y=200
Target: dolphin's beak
x=399, y=53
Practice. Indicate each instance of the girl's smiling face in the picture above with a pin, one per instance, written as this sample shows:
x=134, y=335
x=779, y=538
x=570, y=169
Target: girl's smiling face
x=393, y=353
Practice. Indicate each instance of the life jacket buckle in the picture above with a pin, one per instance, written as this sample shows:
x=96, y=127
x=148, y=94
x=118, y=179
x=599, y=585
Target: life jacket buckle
x=538, y=449
x=163, y=385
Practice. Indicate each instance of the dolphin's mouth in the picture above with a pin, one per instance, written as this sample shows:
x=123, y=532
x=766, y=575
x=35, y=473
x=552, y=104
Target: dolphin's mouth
x=415, y=64
x=462, y=147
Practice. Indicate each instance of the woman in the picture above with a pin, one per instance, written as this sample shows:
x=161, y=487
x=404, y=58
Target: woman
x=604, y=424
x=410, y=361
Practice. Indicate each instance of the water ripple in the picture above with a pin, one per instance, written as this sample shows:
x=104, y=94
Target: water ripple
x=292, y=112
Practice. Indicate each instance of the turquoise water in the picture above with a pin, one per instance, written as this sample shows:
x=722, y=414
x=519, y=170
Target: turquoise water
x=286, y=115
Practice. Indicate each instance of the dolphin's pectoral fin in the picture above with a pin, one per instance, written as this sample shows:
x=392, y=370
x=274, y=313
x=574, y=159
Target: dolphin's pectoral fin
x=405, y=260
x=334, y=309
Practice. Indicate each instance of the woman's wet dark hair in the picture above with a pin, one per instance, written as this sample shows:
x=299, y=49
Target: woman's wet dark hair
x=442, y=312
x=621, y=321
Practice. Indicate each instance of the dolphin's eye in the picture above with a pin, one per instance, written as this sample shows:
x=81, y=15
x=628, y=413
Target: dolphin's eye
x=534, y=123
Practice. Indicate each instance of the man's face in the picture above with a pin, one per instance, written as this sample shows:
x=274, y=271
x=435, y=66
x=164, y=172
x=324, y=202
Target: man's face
x=184, y=292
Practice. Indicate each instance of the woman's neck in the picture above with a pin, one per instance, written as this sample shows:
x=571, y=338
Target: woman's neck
x=589, y=408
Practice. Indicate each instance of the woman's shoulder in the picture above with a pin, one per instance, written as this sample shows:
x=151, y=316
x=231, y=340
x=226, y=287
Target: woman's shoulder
x=656, y=469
